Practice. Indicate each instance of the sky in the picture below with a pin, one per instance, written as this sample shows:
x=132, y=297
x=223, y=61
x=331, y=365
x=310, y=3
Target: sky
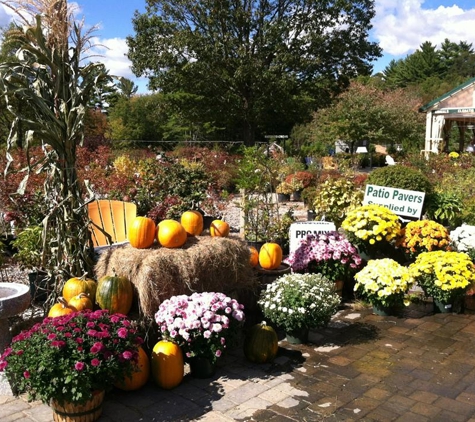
x=400, y=27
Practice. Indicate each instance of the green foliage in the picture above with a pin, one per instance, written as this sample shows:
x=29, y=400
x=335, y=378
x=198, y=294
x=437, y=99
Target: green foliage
x=356, y=117
x=334, y=198
x=400, y=176
x=133, y=121
x=273, y=64
x=432, y=72
x=445, y=208
x=29, y=245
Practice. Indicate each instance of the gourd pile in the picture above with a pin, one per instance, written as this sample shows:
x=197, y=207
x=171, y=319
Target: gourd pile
x=171, y=233
x=111, y=292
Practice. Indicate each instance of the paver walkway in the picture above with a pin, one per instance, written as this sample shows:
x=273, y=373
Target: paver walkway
x=419, y=366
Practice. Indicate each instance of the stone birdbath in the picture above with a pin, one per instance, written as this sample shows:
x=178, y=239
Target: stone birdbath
x=14, y=299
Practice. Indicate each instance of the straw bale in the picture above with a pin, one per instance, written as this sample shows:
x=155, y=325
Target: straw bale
x=204, y=263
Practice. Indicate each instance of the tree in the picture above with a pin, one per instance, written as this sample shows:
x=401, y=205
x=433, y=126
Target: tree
x=367, y=113
x=251, y=68
x=136, y=120
x=48, y=76
x=432, y=72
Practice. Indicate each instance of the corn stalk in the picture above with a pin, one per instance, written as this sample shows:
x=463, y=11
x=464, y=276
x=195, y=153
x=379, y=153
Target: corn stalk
x=49, y=79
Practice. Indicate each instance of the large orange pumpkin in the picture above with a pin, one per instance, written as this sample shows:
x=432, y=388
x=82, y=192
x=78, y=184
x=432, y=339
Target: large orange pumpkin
x=115, y=294
x=219, y=228
x=77, y=285
x=168, y=367
x=270, y=256
x=192, y=222
x=140, y=374
x=141, y=233
x=171, y=234
x=254, y=258
x=61, y=308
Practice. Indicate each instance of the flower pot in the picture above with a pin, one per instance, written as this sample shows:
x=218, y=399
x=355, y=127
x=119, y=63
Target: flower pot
x=295, y=196
x=72, y=412
x=207, y=220
x=268, y=276
x=311, y=215
x=282, y=197
x=255, y=244
x=39, y=288
x=201, y=367
x=297, y=336
x=382, y=310
x=455, y=306
x=338, y=284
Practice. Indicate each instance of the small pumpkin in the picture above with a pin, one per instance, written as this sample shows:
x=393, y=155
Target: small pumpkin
x=219, y=228
x=168, y=367
x=61, y=308
x=77, y=285
x=254, y=258
x=192, y=222
x=171, y=234
x=141, y=233
x=270, y=256
x=261, y=343
x=115, y=294
x=140, y=374
x=80, y=302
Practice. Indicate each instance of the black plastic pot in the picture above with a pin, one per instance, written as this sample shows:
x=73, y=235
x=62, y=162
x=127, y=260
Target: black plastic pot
x=39, y=286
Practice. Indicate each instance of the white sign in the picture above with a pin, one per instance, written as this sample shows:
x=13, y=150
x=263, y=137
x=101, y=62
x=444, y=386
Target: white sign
x=402, y=202
x=300, y=230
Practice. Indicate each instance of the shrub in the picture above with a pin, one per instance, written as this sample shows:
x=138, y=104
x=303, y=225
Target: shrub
x=335, y=198
x=401, y=177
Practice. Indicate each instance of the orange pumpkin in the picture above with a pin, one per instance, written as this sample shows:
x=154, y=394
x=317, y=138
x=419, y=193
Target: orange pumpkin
x=270, y=256
x=77, y=285
x=80, y=302
x=254, y=258
x=140, y=374
x=115, y=294
x=61, y=308
x=219, y=228
x=168, y=367
x=171, y=234
x=192, y=222
x=141, y=233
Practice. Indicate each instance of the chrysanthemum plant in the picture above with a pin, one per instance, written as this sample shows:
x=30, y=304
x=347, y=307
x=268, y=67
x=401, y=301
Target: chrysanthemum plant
x=443, y=275
x=423, y=236
x=330, y=254
x=296, y=301
x=202, y=324
x=384, y=282
x=373, y=229
x=463, y=240
x=69, y=357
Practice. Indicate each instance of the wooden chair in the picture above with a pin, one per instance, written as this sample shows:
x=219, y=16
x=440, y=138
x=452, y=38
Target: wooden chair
x=110, y=220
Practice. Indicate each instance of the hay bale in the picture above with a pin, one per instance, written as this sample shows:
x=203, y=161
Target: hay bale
x=204, y=263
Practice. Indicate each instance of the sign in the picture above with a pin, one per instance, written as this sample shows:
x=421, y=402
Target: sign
x=456, y=110
x=403, y=202
x=299, y=231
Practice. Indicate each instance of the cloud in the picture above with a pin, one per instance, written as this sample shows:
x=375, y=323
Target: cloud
x=113, y=53
x=5, y=17
x=401, y=26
